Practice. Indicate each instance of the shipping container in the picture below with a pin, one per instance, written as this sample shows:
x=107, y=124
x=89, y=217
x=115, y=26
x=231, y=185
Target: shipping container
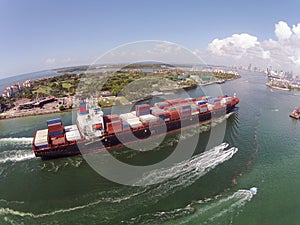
x=148, y=118
x=56, y=133
x=41, y=138
x=174, y=115
x=203, y=109
x=58, y=141
x=191, y=100
x=54, y=121
x=161, y=105
x=73, y=135
x=110, y=118
x=127, y=116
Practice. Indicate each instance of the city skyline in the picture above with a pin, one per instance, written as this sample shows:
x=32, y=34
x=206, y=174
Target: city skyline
x=38, y=35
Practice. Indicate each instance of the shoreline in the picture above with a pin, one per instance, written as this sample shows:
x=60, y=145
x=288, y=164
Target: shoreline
x=278, y=88
x=38, y=113
x=7, y=117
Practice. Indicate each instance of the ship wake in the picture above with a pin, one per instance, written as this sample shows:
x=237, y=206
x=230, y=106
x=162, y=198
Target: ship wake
x=16, y=155
x=165, y=181
x=218, y=209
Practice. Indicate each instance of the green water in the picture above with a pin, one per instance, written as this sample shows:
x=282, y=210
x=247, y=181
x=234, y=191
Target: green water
x=206, y=190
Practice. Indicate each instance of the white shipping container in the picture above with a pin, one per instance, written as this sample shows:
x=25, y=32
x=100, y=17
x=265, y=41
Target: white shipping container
x=210, y=106
x=126, y=116
x=202, y=110
x=41, y=137
x=71, y=128
x=148, y=118
x=133, y=120
x=135, y=124
x=73, y=135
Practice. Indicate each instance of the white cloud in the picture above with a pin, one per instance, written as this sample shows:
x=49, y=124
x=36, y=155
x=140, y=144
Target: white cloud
x=50, y=61
x=282, y=30
x=243, y=49
x=237, y=44
x=296, y=30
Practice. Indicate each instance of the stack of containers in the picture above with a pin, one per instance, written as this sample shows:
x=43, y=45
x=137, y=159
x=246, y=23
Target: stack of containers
x=125, y=126
x=201, y=102
x=174, y=115
x=132, y=120
x=160, y=114
x=210, y=107
x=143, y=109
x=56, y=131
x=202, y=108
x=175, y=101
x=126, y=116
x=191, y=100
x=161, y=105
x=83, y=108
x=111, y=118
x=185, y=111
x=167, y=116
x=113, y=124
x=55, y=128
x=114, y=127
x=215, y=101
x=226, y=101
x=72, y=133
x=147, y=119
x=41, y=139
x=194, y=110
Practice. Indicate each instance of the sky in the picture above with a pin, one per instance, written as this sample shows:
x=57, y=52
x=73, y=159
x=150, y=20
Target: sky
x=43, y=34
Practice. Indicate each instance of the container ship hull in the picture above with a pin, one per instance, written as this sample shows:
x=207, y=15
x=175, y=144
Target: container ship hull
x=119, y=139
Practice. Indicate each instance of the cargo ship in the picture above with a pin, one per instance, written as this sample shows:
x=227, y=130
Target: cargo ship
x=296, y=113
x=95, y=131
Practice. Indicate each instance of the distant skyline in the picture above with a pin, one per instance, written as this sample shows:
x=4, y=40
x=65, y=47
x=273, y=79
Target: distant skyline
x=38, y=35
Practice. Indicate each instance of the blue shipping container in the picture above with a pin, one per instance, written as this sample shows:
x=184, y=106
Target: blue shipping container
x=41, y=146
x=52, y=134
x=202, y=103
x=53, y=121
x=125, y=125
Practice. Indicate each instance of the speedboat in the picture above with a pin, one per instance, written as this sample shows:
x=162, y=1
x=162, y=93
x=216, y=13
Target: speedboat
x=253, y=190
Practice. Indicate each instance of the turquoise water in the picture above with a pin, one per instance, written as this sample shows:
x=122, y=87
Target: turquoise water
x=210, y=188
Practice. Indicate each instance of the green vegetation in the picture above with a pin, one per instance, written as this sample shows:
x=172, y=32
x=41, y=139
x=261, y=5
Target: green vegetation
x=106, y=102
x=130, y=82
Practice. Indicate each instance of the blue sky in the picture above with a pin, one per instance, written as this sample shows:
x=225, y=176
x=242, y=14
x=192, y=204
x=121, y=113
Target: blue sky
x=40, y=34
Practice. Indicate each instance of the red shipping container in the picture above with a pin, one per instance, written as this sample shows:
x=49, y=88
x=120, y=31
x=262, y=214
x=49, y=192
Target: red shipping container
x=115, y=129
x=58, y=141
x=113, y=117
x=174, y=115
x=114, y=124
x=55, y=127
x=166, y=114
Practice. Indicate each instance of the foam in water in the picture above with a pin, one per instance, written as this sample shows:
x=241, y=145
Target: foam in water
x=178, y=176
x=16, y=141
x=199, y=212
x=16, y=155
x=196, y=166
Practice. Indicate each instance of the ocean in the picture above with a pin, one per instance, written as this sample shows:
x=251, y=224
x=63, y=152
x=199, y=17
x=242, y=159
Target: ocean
x=209, y=188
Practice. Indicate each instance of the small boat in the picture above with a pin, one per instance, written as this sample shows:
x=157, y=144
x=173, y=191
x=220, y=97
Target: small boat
x=253, y=190
x=295, y=114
